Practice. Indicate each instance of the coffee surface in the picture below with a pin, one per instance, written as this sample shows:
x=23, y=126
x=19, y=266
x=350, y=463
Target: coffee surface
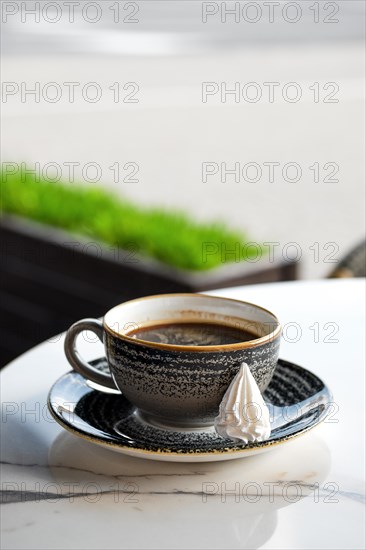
x=192, y=334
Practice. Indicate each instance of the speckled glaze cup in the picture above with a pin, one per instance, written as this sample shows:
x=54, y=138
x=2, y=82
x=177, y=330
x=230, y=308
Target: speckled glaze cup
x=176, y=385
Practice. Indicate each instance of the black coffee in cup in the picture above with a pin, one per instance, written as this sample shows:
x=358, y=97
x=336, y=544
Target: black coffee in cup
x=192, y=334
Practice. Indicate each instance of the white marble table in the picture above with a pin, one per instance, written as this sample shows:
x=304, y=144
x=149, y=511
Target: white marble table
x=62, y=492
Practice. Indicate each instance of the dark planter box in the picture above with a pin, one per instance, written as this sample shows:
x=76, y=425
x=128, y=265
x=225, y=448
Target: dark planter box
x=50, y=278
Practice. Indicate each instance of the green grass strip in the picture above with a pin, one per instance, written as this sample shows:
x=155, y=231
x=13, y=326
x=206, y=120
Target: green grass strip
x=171, y=237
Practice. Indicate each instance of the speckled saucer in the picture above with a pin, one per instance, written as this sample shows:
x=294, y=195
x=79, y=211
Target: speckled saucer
x=108, y=419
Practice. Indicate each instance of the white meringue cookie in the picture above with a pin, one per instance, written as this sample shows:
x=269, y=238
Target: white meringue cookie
x=243, y=416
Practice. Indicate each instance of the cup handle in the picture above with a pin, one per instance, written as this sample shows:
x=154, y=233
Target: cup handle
x=77, y=362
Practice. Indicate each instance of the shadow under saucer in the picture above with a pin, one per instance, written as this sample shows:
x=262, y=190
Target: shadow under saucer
x=243, y=496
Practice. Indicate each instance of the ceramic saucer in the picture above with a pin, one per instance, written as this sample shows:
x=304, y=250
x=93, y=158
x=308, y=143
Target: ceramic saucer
x=108, y=419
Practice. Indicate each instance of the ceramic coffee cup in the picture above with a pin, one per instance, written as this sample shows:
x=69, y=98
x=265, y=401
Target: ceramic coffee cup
x=178, y=385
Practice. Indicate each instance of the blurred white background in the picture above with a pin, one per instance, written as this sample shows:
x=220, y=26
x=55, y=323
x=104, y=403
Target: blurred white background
x=167, y=51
